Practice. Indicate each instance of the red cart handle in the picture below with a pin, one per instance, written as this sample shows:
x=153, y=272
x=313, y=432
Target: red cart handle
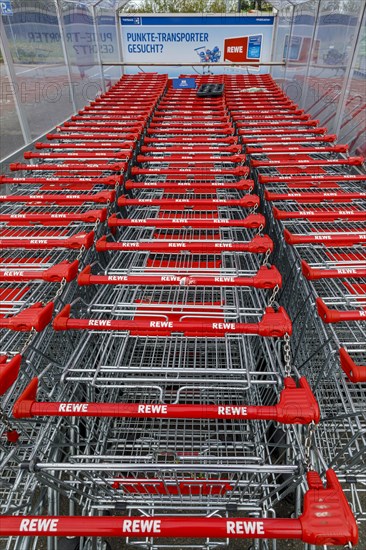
x=277, y=123
x=30, y=243
x=292, y=161
x=273, y=324
x=180, y=131
x=336, y=239
x=260, y=244
x=194, y=186
x=327, y=520
x=191, y=149
x=63, y=271
x=203, y=170
x=277, y=130
x=9, y=371
x=249, y=201
x=334, y=316
x=111, y=181
x=36, y=317
x=290, y=139
x=113, y=131
x=82, y=166
x=252, y=221
x=126, y=155
x=90, y=216
x=297, y=405
x=297, y=149
x=318, y=197
x=313, y=274
x=97, y=137
x=102, y=197
x=191, y=139
x=356, y=373
x=312, y=177
x=192, y=158
x=266, y=277
x=121, y=146
x=319, y=216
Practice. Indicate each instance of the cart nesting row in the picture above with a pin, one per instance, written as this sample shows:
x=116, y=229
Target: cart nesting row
x=314, y=195
x=175, y=410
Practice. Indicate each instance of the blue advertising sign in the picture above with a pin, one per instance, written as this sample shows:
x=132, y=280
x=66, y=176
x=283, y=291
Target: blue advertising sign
x=184, y=83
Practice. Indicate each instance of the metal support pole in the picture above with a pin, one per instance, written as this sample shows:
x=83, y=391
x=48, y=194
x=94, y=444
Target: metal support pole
x=306, y=76
x=347, y=77
x=64, y=50
x=119, y=38
x=23, y=121
x=96, y=33
x=289, y=42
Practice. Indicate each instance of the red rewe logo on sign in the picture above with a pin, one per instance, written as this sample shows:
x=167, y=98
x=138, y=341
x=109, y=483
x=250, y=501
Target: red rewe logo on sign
x=236, y=49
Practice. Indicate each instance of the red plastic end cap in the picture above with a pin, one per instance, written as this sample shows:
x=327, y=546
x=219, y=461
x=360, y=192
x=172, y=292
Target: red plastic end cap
x=82, y=239
x=268, y=277
x=39, y=145
x=9, y=372
x=84, y=276
x=113, y=221
x=289, y=237
x=63, y=270
x=14, y=166
x=129, y=184
x=278, y=215
x=23, y=405
x=51, y=136
x=28, y=155
x=356, y=373
x=101, y=244
x=327, y=516
x=260, y=244
x=35, y=317
x=275, y=324
x=297, y=404
x=327, y=315
x=60, y=321
x=331, y=137
x=307, y=271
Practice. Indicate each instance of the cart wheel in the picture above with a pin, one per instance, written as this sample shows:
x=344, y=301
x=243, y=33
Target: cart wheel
x=68, y=543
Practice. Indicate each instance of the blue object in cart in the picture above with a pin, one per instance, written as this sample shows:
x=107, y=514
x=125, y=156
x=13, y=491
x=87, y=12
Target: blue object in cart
x=184, y=83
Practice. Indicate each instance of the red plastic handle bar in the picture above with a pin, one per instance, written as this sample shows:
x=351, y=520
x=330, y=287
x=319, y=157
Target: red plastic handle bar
x=273, y=324
x=110, y=181
x=297, y=405
x=90, y=216
x=55, y=274
x=203, y=169
x=336, y=239
x=290, y=139
x=117, y=129
x=181, y=186
x=320, y=216
x=313, y=274
x=195, y=158
x=258, y=245
x=122, y=146
x=97, y=137
x=334, y=316
x=292, y=161
x=297, y=149
x=328, y=196
x=266, y=277
x=320, y=178
x=249, y=201
x=9, y=371
x=327, y=519
x=252, y=221
x=102, y=197
x=36, y=317
x=100, y=118
x=355, y=373
x=184, y=131
x=192, y=139
x=277, y=130
x=30, y=243
x=258, y=117
x=270, y=123
x=83, y=166
x=126, y=155
x=192, y=149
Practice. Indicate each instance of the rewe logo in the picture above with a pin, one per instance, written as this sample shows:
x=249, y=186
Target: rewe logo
x=242, y=48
